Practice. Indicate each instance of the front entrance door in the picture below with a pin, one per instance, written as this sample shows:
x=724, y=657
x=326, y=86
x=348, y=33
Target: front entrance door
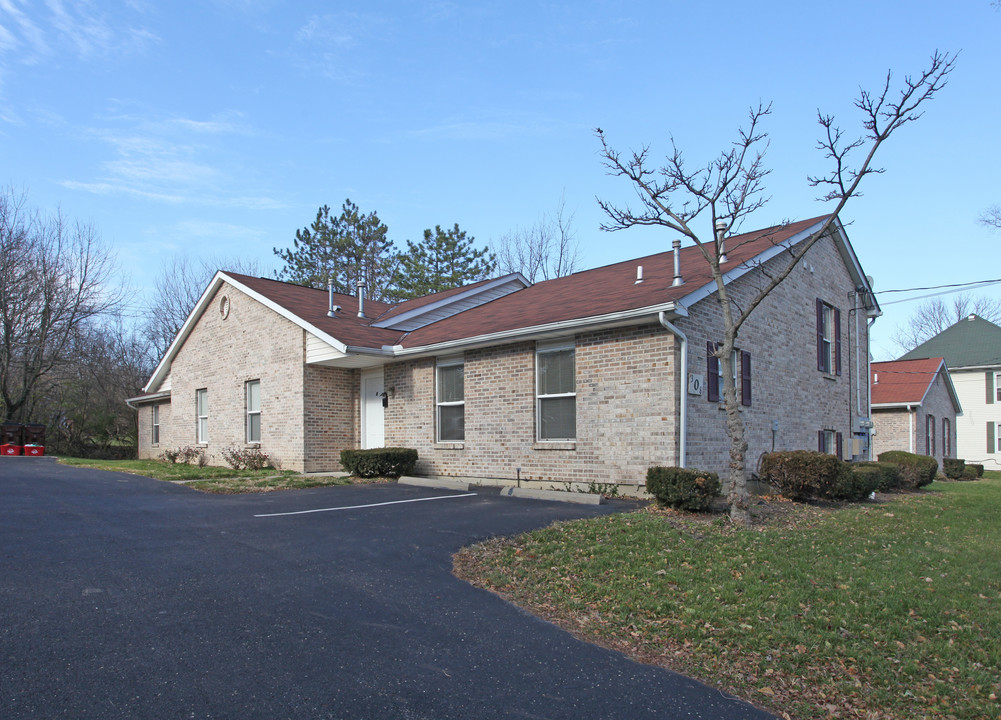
x=373, y=417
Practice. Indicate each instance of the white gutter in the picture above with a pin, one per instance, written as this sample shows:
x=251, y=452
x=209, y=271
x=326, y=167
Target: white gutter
x=683, y=451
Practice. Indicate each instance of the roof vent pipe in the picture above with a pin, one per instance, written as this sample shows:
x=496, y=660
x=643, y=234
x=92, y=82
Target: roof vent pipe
x=332, y=309
x=678, y=280
x=361, y=296
x=639, y=275
x=721, y=240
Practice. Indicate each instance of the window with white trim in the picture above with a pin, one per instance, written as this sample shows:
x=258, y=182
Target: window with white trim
x=929, y=434
x=254, y=411
x=946, y=437
x=202, y=413
x=830, y=442
x=714, y=373
x=156, y=425
x=828, y=338
x=450, y=399
x=555, y=392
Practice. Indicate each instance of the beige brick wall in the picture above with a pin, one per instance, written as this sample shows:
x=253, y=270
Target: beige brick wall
x=331, y=415
x=895, y=431
x=221, y=355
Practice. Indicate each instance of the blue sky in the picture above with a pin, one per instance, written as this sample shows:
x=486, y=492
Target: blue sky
x=216, y=128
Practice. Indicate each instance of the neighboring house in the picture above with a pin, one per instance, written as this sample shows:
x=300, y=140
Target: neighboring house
x=588, y=378
x=914, y=408
x=972, y=351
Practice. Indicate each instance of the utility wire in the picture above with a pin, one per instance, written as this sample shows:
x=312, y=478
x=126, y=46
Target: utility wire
x=939, y=287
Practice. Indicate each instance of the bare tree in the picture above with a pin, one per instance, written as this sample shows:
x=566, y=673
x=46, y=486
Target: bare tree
x=179, y=285
x=54, y=279
x=936, y=315
x=546, y=250
x=991, y=217
x=730, y=188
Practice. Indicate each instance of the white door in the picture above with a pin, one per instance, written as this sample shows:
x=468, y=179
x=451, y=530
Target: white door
x=373, y=422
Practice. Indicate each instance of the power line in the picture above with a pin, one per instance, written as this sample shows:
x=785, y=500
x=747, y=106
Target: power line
x=939, y=287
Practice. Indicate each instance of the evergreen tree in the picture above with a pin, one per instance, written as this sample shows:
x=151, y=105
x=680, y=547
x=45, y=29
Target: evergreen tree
x=443, y=260
x=341, y=248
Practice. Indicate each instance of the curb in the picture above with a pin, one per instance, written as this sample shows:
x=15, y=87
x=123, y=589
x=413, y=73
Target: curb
x=444, y=483
x=556, y=495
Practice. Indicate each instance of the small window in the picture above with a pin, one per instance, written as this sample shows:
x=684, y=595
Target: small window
x=202, y=411
x=946, y=437
x=156, y=425
x=997, y=386
x=929, y=434
x=740, y=361
x=830, y=442
x=451, y=400
x=254, y=411
x=556, y=393
x=828, y=338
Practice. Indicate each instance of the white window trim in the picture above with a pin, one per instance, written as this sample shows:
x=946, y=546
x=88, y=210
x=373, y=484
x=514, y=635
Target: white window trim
x=202, y=429
x=439, y=404
x=829, y=346
x=997, y=387
x=155, y=431
x=830, y=442
x=251, y=413
x=543, y=349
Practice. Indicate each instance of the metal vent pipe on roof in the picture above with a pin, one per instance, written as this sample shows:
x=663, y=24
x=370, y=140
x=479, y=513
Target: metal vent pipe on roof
x=331, y=308
x=639, y=275
x=361, y=296
x=678, y=280
x=721, y=240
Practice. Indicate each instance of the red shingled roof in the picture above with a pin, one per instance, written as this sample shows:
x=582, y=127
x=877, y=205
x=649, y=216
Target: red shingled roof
x=901, y=382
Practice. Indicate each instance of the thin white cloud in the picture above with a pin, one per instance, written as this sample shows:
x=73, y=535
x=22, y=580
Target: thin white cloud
x=338, y=45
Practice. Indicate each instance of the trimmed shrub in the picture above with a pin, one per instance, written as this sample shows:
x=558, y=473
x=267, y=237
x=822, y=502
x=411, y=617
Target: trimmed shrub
x=379, y=462
x=969, y=473
x=868, y=476
x=978, y=467
x=953, y=468
x=246, y=458
x=915, y=470
x=888, y=475
x=811, y=475
x=683, y=488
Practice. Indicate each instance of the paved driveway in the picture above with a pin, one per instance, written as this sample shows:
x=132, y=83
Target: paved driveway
x=123, y=597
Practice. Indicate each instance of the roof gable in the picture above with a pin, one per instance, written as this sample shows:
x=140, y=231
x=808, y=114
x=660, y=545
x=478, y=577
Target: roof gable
x=416, y=313
x=899, y=383
x=971, y=342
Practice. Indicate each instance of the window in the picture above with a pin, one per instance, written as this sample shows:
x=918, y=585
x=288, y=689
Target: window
x=828, y=338
x=929, y=434
x=946, y=437
x=254, y=411
x=202, y=411
x=830, y=442
x=556, y=395
x=714, y=374
x=451, y=400
x=993, y=438
x=156, y=425
x=997, y=386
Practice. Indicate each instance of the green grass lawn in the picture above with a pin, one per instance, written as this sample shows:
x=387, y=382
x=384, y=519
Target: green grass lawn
x=877, y=610
x=212, y=479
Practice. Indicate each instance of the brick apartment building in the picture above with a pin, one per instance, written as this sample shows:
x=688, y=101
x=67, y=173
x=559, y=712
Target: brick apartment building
x=589, y=378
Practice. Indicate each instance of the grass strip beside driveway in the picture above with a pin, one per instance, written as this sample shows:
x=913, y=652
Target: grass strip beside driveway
x=211, y=479
x=874, y=611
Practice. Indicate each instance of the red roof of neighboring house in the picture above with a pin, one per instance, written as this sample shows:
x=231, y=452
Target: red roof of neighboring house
x=903, y=382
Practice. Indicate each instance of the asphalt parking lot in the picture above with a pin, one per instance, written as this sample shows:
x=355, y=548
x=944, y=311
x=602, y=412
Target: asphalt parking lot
x=124, y=597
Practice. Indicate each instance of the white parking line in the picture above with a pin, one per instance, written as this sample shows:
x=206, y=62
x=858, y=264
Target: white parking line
x=358, y=507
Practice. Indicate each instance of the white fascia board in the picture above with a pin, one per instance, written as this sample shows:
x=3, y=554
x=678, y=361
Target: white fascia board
x=451, y=299
x=895, y=406
x=564, y=327
x=855, y=267
x=152, y=397
x=217, y=280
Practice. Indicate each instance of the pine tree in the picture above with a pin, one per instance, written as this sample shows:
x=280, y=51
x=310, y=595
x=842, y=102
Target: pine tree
x=341, y=248
x=443, y=260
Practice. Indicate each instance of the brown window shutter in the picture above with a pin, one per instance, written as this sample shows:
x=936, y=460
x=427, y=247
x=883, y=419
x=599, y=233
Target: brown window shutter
x=838, y=442
x=820, y=334
x=820, y=441
x=712, y=372
x=745, y=378
x=837, y=341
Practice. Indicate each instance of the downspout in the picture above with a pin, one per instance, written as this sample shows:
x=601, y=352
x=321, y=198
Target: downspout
x=910, y=428
x=683, y=441
x=868, y=383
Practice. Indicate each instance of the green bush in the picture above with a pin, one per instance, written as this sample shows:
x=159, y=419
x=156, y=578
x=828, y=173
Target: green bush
x=379, y=462
x=888, y=474
x=978, y=467
x=683, y=488
x=868, y=477
x=953, y=468
x=969, y=473
x=811, y=475
x=915, y=470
